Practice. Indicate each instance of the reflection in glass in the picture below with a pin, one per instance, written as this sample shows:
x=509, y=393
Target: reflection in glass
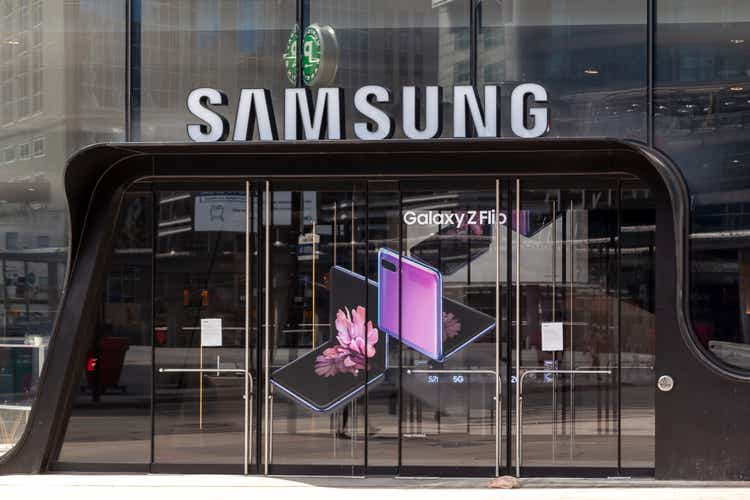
x=396, y=43
x=383, y=401
x=59, y=62
x=449, y=403
x=111, y=417
x=638, y=324
x=199, y=367
x=701, y=121
x=592, y=61
x=324, y=344
x=225, y=44
x=583, y=272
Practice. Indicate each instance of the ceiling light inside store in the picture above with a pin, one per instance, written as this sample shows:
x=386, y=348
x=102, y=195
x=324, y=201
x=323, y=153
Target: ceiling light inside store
x=737, y=89
x=737, y=41
x=591, y=71
x=13, y=42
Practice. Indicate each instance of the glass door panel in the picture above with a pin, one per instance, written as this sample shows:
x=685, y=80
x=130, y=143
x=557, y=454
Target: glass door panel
x=420, y=406
x=569, y=335
x=383, y=401
x=323, y=345
x=453, y=239
x=201, y=309
x=638, y=324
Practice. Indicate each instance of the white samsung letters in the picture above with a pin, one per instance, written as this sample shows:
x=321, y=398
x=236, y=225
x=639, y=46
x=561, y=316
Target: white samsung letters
x=319, y=114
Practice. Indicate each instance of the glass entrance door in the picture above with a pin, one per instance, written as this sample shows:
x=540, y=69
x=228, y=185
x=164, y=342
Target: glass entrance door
x=321, y=346
x=585, y=372
x=382, y=303
x=397, y=326
x=204, y=336
x=400, y=326
x=452, y=257
x=445, y=327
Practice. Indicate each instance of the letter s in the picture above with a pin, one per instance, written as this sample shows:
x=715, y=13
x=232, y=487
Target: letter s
x=216, y=127
x=382, y=124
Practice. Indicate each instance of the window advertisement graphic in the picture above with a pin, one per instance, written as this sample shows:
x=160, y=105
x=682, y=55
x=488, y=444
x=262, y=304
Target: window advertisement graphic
x=448, y=407
x=379, y=308
x=334, y=372
x=410, y=309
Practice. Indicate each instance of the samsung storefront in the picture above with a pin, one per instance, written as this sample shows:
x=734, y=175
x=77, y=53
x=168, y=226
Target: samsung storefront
x=414, y=238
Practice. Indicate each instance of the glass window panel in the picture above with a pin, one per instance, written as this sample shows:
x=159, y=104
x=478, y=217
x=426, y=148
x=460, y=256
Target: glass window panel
x=449, y=362
x=590, y=56
x=568, y=263
x=111, y=417
x=197, y=43
x=200, y=273
x=384, y=402
x=393, y=44
x=701, y=120
x=637, y=324
x=319, y=302
x=51, y=103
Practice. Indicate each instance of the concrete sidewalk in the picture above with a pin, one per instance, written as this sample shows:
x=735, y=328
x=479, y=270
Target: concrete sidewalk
x=215, y=487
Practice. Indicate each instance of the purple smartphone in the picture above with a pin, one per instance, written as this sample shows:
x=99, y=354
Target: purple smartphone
x=421, y=325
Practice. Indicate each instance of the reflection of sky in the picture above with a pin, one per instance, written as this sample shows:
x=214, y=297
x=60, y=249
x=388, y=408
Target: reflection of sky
x=207, y=23
x=249, y=25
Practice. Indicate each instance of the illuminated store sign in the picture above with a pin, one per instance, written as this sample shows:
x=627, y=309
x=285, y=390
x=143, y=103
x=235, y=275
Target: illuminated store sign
x=322, y=117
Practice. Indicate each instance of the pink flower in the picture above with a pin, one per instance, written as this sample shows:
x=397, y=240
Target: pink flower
x=451, y=325
x=325, y=366
x=330, y=362
x=357, y=341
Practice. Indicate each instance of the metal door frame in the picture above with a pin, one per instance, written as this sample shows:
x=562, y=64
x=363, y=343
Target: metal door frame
x=248, y=382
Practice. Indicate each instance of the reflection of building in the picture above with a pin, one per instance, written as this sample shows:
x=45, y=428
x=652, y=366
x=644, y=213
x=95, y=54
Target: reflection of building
x=233, y=44
x=53, y=100
x=64, y=84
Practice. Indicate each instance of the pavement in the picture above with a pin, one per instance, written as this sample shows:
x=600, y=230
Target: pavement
x=220, y=487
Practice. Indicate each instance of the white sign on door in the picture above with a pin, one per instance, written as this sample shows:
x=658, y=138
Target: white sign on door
x=552, y=336
x=211, y=332
x=220, y=212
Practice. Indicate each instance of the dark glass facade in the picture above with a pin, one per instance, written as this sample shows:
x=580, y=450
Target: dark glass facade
x=672, y=74
x=187, y=252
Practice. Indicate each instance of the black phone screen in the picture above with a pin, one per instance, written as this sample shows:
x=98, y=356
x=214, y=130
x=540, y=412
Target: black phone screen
x=319, y=382
x=461, y=325
x=452, y=248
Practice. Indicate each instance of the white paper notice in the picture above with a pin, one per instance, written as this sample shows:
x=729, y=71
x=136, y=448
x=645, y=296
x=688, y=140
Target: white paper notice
x=211, y=332
x=552, y=336
x=220, y=212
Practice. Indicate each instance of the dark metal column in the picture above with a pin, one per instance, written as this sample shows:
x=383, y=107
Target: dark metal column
x=133, y=71
x=650, y=57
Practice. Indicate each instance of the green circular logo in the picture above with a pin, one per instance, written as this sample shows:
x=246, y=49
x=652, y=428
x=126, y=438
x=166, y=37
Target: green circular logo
x=319, y=55
x=311, y=53
x=290, y=57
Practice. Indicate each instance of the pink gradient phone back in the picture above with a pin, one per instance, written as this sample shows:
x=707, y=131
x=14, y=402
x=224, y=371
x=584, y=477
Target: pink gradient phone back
x=421, y=305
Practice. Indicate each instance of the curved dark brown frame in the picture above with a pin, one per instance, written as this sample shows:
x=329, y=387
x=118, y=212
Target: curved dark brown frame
x=97, y=177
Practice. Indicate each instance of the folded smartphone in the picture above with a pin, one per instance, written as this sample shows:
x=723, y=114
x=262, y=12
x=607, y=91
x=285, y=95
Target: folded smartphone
x=334, y=373
x=410, y=297
x=453, y=248
x=412, y=308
